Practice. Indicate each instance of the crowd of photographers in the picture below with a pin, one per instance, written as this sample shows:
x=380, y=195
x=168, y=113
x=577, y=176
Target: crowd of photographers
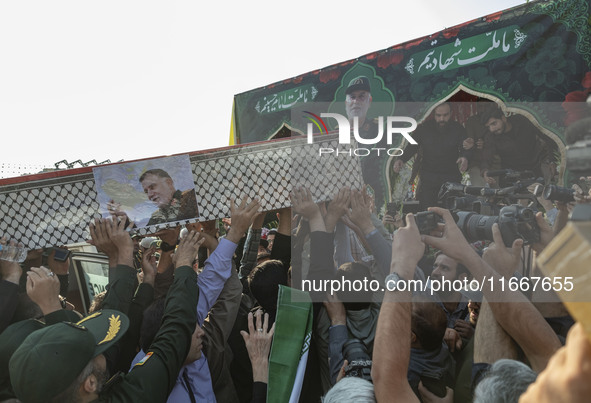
x=190, y=316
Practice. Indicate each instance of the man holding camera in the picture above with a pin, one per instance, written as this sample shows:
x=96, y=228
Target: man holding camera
x=518, y=143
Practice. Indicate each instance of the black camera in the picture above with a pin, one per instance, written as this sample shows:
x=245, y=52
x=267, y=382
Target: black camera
x=355, y=352
x=393, y=208
x=559, y=194
x=508, y=177
x=61, y=255
x=427, y=221
x=471, y=203
x=515, y=221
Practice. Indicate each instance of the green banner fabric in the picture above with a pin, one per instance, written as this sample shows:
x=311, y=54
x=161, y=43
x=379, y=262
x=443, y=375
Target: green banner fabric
x=293, y=331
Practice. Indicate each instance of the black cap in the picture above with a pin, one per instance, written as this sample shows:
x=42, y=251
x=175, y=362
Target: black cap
x=358, y=83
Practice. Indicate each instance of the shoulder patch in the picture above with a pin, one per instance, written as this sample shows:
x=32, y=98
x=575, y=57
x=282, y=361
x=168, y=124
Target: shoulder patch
x=143, y=360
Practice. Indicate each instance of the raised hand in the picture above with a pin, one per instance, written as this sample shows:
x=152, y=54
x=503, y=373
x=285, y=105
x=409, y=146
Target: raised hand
x=407, y=249
x=149, y=267
x=43, y=287
x=100, y=239
x=452, y=242
x=360, y=213
x=258, y=343
x=338, y=206
x=504, y=260
x=187, y=250
x=242, y=216
x=303, y=204
x=118, y=233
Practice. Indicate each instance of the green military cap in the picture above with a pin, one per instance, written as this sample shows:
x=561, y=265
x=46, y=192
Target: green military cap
x=10, y=340
x=358, y=83
x=50, y=359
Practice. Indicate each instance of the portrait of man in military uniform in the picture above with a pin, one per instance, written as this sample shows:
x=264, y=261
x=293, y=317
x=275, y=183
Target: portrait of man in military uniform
x=148, y=192
x=358, y=100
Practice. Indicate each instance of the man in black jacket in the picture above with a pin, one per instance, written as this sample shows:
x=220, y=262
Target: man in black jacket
x=439, y=152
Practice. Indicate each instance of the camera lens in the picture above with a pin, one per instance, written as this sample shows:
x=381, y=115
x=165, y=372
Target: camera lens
x=476, y=227
x=558, y=193
x=355, y=350
x=462, y=203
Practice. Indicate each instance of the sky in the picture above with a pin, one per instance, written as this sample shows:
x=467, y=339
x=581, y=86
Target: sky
x=126, y=79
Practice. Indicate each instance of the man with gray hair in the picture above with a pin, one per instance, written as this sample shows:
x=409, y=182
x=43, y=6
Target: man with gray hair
x=505, y=381
x=173, y=204
x=357, y=102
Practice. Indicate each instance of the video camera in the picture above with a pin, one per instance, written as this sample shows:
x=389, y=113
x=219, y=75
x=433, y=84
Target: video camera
x=477, y=208
x=485, y=200
x=515, y=221
x=509, y=177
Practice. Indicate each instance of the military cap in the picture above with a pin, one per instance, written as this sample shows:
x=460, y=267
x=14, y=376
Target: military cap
x=358, y=83
x=10, y=340
x=50, y=359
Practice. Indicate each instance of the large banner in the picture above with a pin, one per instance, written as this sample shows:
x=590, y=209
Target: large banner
x=539, y=52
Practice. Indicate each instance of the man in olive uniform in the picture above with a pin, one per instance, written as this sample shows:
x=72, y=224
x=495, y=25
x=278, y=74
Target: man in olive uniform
x=173, y=204
x=66, y=361
x=357, y=102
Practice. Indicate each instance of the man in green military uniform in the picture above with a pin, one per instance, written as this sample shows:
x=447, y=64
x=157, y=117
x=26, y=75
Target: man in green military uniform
x=173, y=204
x=65, y=362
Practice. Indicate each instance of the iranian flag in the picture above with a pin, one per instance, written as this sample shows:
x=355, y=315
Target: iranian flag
x=291, y=342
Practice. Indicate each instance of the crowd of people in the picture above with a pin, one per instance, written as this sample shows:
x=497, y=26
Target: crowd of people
x=190, y=314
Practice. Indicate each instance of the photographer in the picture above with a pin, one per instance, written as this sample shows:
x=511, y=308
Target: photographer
x=518, y=143
x=516, y=314
x=454, y=304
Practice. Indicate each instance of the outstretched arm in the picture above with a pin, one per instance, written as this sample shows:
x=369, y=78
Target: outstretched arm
x=391, y=354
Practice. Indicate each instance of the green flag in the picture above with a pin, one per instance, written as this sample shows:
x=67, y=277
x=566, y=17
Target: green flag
x=291, y=342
